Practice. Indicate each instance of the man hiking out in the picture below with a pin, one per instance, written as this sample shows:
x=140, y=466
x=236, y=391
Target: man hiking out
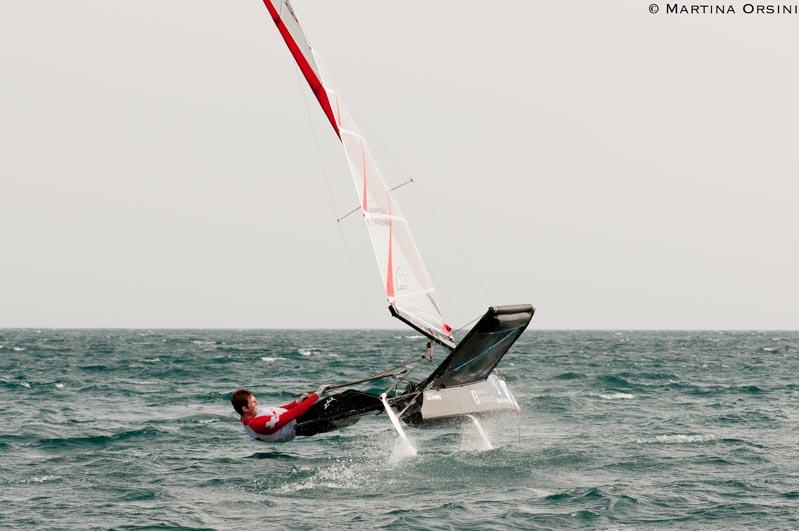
x=272, y=424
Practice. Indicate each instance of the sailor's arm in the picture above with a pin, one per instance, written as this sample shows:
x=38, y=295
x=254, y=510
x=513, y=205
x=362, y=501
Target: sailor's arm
x=297, y=401
x=269, y=424
x=305, y=396
x=297, y=410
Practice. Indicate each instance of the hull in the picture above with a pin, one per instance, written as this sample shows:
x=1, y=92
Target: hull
x=487, y=397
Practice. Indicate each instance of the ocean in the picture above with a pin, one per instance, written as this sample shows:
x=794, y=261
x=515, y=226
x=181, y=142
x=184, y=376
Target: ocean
x=133, y=429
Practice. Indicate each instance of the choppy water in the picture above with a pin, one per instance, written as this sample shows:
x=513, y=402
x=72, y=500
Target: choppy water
x=620, y=430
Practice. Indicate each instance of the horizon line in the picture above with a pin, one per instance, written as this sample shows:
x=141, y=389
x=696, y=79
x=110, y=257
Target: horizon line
x=345, y=329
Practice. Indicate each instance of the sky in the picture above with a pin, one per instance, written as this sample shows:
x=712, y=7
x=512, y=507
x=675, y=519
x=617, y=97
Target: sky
x=162, y=165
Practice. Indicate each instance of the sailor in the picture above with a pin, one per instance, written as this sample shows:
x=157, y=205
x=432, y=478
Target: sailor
x=428, y=351
x=272, y=424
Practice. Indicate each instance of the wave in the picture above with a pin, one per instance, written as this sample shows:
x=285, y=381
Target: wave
x=649, y=375
x=141, y=494
x=14, y=385
x=746, y=417
x=569, y=376
x=740, y=442
x=204, y=342
x=712, y=389
x=274, y=454
x=99, y=440
x=95, y=368
x=678, y=439
x=590, y=493
x=554, y=403
x=617, y=396
x=44, y=479
x=615, y=380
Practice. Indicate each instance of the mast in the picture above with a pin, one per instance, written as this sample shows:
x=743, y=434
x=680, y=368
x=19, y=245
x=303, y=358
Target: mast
x=407, y=284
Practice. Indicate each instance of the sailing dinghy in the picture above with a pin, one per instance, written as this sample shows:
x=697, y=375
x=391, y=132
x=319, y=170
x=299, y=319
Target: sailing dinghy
x=466, y=383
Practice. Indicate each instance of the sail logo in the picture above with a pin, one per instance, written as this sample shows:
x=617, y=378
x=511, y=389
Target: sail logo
x=400, y=282
x=378, y=216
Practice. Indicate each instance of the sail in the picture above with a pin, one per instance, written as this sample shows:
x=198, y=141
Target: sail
x=406, y=281
x=481, y=350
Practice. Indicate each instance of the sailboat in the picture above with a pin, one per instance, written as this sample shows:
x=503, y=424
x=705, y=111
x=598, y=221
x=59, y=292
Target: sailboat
x=466, y=383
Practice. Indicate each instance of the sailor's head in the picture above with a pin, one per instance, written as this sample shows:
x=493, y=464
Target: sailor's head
x=244, y=402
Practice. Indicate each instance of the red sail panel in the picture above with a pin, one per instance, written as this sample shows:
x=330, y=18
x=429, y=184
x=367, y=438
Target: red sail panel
x=300, y=50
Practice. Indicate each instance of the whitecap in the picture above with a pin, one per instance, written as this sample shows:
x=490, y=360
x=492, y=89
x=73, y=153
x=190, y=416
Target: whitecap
x=617, y=396
x=19, y=349
x=25, y=384
x=678, y=439
x=152, y=360
x=59, y=386
x=766, y=349
x=44, y=479
x=270, y=359
x=143, y=382
x=308, y=351
x=340, y=476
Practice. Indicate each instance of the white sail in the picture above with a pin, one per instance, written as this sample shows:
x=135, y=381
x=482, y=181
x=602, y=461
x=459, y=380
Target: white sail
x=407, y=284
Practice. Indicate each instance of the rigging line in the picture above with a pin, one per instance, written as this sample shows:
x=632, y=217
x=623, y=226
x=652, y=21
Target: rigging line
x=372, y=378
x=333, y=206
x=408, y=364
x=353, y=211
x=410, y=402
x=410, y=180
x=400, y=378
x=357, y=208
x=479, y=315
x=393, y=371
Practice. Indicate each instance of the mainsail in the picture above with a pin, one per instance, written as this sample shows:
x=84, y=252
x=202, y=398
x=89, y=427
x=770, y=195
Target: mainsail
x=409, y=290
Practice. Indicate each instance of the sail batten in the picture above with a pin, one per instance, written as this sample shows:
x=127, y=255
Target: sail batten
x=406, y=281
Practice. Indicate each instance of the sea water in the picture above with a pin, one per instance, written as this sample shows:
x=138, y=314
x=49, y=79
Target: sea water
x=626, y=430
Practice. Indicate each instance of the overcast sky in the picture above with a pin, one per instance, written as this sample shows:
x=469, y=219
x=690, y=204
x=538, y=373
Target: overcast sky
x=615, y=168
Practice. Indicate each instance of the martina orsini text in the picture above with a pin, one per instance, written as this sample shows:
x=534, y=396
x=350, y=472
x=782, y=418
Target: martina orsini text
x=729, y=9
